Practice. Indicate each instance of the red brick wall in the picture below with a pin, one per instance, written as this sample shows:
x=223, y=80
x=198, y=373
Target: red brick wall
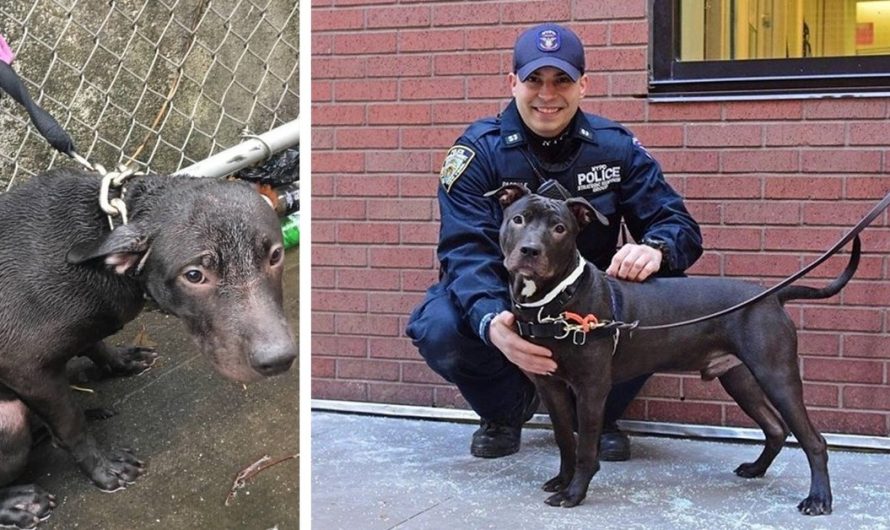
x=773, y=183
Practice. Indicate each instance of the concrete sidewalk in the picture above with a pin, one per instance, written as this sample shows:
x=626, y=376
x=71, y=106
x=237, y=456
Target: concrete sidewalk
x=196, y=431
x=375, y=473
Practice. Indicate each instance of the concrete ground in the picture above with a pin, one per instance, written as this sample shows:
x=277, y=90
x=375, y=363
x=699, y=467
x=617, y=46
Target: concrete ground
x=196, y=431
x=389, y=473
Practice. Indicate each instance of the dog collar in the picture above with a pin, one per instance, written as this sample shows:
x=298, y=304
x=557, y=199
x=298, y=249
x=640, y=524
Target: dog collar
x=579, y=327
x=560, y=288
x=564, y=325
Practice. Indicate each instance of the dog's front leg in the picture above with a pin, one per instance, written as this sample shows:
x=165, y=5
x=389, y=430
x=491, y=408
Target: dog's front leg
x=48, y=396
x=121, y=360
x=590, y=402
x=557, y=397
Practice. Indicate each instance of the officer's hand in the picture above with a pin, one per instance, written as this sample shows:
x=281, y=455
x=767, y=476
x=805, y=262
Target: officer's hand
x=529, y=357
x=635, y=262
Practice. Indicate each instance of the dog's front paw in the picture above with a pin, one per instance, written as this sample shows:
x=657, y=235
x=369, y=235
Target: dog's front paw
x=25, y=506
x=130, y=360
x=557, y=483
x=117, y=470
x=815, y=505
x=750, y=470
x=566, y=499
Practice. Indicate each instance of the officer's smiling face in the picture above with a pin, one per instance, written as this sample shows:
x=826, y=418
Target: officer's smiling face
x=547, y=99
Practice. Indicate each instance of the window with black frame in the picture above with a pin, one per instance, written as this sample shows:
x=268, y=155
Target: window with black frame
x=769, y=47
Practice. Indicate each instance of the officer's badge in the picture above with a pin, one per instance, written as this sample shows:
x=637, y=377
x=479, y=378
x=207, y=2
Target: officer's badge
x=456, y=161
x=548, y=40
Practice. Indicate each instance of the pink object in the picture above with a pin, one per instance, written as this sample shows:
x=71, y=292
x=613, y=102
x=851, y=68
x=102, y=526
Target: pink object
x=6, y=54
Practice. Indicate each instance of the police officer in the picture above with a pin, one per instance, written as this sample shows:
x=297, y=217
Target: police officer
x=464, y=329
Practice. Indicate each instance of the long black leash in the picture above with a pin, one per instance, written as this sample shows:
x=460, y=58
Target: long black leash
x=853, y=233
x=48, y=127
x=567, y=324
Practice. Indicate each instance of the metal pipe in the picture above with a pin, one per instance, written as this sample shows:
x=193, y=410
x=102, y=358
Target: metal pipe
x=252, y=150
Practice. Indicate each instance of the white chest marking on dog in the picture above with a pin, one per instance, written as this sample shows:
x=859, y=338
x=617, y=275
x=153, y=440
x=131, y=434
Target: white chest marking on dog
x=570, y=279
x=528, y=288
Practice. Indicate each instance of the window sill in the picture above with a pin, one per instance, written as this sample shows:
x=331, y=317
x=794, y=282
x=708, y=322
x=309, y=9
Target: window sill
x=693, y=97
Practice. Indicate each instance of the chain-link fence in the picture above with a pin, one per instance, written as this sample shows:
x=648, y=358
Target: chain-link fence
x=164, y=83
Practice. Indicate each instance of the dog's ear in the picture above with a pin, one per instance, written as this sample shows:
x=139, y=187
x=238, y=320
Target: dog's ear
x=508, y=194
x=123, y=249
x=584, y=212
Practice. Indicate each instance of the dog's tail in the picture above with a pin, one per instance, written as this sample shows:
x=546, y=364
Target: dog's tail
x=799, y=292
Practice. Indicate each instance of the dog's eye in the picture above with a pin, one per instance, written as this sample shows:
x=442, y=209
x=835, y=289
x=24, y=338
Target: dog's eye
x=560, y=228
x=276, y=256
x=194, y=276
x=517, y=219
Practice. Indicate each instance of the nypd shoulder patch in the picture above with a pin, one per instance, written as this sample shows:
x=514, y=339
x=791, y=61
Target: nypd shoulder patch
x=456, y=161
x=637, y=144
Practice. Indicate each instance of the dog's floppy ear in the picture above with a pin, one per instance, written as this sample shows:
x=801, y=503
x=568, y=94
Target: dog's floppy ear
x=123, y=249
x=584, y=212
x=508, y=194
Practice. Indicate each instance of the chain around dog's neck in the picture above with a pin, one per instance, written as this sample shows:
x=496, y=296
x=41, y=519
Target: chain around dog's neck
x=560, y=287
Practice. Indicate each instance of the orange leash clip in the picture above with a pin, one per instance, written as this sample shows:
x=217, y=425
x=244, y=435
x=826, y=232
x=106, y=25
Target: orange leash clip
x=585, y=322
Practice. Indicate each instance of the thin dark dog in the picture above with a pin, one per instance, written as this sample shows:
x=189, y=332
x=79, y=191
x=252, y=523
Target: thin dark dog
x=753, y=351
x=205, y=250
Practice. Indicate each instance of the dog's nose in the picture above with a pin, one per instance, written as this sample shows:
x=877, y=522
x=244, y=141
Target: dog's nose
x=274, y=360
x=530, y=251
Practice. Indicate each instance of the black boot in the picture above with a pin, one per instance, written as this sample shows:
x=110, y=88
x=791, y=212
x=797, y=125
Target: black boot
x=614, y=444
x=494, y=439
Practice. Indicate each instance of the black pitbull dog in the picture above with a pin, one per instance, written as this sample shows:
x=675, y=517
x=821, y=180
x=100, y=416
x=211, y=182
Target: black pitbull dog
x=753, y=351
x=206, y=250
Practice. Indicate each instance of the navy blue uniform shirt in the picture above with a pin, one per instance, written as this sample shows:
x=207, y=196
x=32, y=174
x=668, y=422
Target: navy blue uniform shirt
x=610, y=169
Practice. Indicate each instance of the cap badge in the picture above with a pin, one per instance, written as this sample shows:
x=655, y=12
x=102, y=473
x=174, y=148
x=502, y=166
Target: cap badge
x=548, y=40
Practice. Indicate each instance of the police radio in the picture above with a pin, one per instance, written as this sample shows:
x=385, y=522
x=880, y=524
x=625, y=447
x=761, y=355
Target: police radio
x=552, y=189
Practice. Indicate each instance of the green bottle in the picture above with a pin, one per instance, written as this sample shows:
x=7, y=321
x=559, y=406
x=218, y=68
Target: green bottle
x=290, y=230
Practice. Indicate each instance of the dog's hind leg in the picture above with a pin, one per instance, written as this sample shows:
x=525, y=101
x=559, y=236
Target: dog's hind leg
x=744, y=389
x=779, y=377
x=23, y=506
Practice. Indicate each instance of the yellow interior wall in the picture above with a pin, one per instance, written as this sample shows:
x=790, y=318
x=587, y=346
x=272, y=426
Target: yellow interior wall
x=832, y=26
x=878, y=13
x=794, y=25
x=692, y=21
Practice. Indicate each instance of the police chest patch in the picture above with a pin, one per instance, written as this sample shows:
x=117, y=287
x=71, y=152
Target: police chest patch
x=598, y=178
x=456, y=161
